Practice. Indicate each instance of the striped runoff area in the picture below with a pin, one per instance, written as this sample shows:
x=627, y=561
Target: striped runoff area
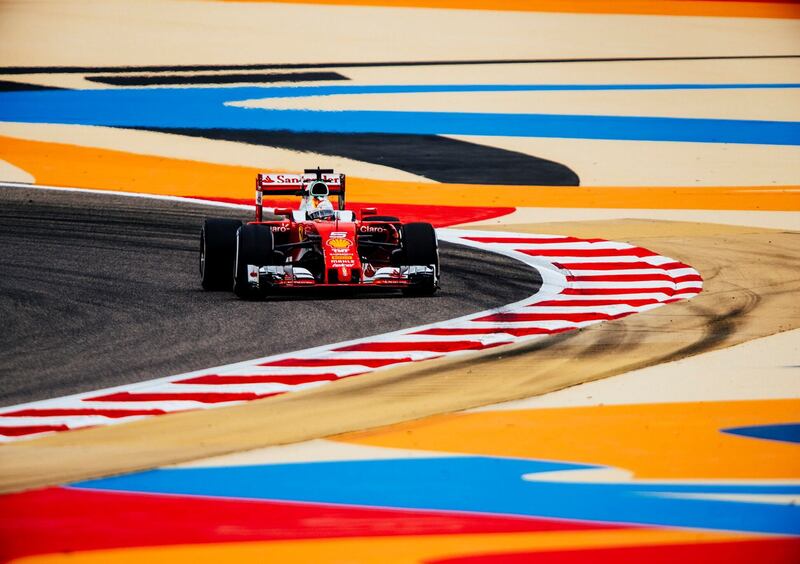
x=584, y=282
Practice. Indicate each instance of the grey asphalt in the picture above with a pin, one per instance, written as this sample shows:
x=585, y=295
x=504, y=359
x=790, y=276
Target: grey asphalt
x=98, y=290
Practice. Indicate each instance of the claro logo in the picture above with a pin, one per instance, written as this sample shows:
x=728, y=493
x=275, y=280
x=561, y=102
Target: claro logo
x=338, y=243
x=370, y=229
x=280, y=228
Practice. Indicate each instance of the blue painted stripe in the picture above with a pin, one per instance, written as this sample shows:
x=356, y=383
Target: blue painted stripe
x=786, y=432
x=473, y=484
x=205, y=108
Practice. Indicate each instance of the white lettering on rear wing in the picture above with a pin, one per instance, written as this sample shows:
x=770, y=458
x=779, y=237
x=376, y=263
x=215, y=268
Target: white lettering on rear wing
x=296, y=180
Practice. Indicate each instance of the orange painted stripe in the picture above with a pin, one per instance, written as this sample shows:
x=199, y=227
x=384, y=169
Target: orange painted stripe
x=654, y=441
x=715, y=8
x=378, y=550
x=60, y=164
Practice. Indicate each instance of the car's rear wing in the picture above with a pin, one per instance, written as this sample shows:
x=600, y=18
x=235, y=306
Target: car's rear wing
x=297, y=185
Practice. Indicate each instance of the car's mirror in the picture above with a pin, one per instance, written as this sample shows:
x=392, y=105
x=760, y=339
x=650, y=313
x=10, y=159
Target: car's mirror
x=283, y=211
x=369, y=211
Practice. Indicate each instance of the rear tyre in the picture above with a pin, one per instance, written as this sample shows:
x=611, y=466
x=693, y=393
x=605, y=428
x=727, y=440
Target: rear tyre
x=254, y=246
x=421, y=248
x=380, y=218
x=217, y=252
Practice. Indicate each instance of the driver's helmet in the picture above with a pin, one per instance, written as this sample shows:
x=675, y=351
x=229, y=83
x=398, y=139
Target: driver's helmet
x=318, y=190
x=320, y=207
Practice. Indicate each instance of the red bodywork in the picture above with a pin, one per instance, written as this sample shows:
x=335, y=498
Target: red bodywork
x=337, y=252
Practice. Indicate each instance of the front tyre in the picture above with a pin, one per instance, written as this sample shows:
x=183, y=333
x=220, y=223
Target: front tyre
x=254, y=248
x=217, y=252
x=421, y=248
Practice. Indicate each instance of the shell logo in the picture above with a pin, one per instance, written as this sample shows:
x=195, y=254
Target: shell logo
x=338, y=243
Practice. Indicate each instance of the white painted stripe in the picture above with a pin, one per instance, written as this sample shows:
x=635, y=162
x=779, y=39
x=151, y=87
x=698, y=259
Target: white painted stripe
x=70, y=420
x=356, y=355
x=654, y=260
x=340, y=371
x=673, y=273
x=210, y=203
x=765, y=498
x=552, y=325
x=572, y=246
x=588, y=297
x=422, y=339
x=234, y=388
x=570, y=310
x=621, y=285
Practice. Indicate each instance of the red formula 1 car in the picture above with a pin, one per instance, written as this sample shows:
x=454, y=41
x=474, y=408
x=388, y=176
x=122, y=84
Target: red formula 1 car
x=318, y=245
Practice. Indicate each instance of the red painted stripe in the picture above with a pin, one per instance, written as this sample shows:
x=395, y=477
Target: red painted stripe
x=212, y=397
x=30, y=430
x=443, y=346
x=439, y=216
x=369, y=362
x=593, y=303
x=639, y=265
x=110, y=413
x=517, y=332
x=66, y=520
x=572, y=317
x=673, y=265
x=634, y=252
x=688, y=278
x=532, y=240
x=620, y=278
x=615, y=291
x=216, y=379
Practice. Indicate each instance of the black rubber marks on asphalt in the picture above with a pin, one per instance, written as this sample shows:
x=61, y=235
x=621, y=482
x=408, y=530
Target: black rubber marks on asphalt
x=197, y=79
x=196, y=68
x=439, y=158
x=13, y=86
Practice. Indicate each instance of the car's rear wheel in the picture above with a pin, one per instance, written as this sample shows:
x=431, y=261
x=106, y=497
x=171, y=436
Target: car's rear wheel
x=254, y=247
x=217, y=252
x=420, y=248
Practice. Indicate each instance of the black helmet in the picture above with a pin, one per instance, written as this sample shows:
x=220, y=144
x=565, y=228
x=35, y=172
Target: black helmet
x=318, y=189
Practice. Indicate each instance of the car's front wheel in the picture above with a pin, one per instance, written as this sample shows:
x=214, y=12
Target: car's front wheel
x=254, y=248
x=421, y=248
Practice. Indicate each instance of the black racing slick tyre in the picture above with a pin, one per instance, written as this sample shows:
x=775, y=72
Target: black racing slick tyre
x=217, y=252
x=380, y=218
x=420, y=247
x=254, y=246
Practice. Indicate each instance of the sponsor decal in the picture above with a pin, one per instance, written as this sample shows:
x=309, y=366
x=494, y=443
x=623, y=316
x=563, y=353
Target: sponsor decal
x=339, y=243
x=371, y=229
x=342, y=257
x=280, y=228
x=258, y=197
x=267, y=179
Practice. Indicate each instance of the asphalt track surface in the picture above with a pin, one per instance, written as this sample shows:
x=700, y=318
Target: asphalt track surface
x=100, y=290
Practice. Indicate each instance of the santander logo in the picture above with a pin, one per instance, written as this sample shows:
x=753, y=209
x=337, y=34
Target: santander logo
x=267, y=179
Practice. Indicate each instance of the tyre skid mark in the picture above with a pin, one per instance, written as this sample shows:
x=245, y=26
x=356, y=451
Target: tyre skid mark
x=615, y=280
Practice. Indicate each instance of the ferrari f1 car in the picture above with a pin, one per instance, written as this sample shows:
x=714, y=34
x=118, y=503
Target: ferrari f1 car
x=316, y=245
